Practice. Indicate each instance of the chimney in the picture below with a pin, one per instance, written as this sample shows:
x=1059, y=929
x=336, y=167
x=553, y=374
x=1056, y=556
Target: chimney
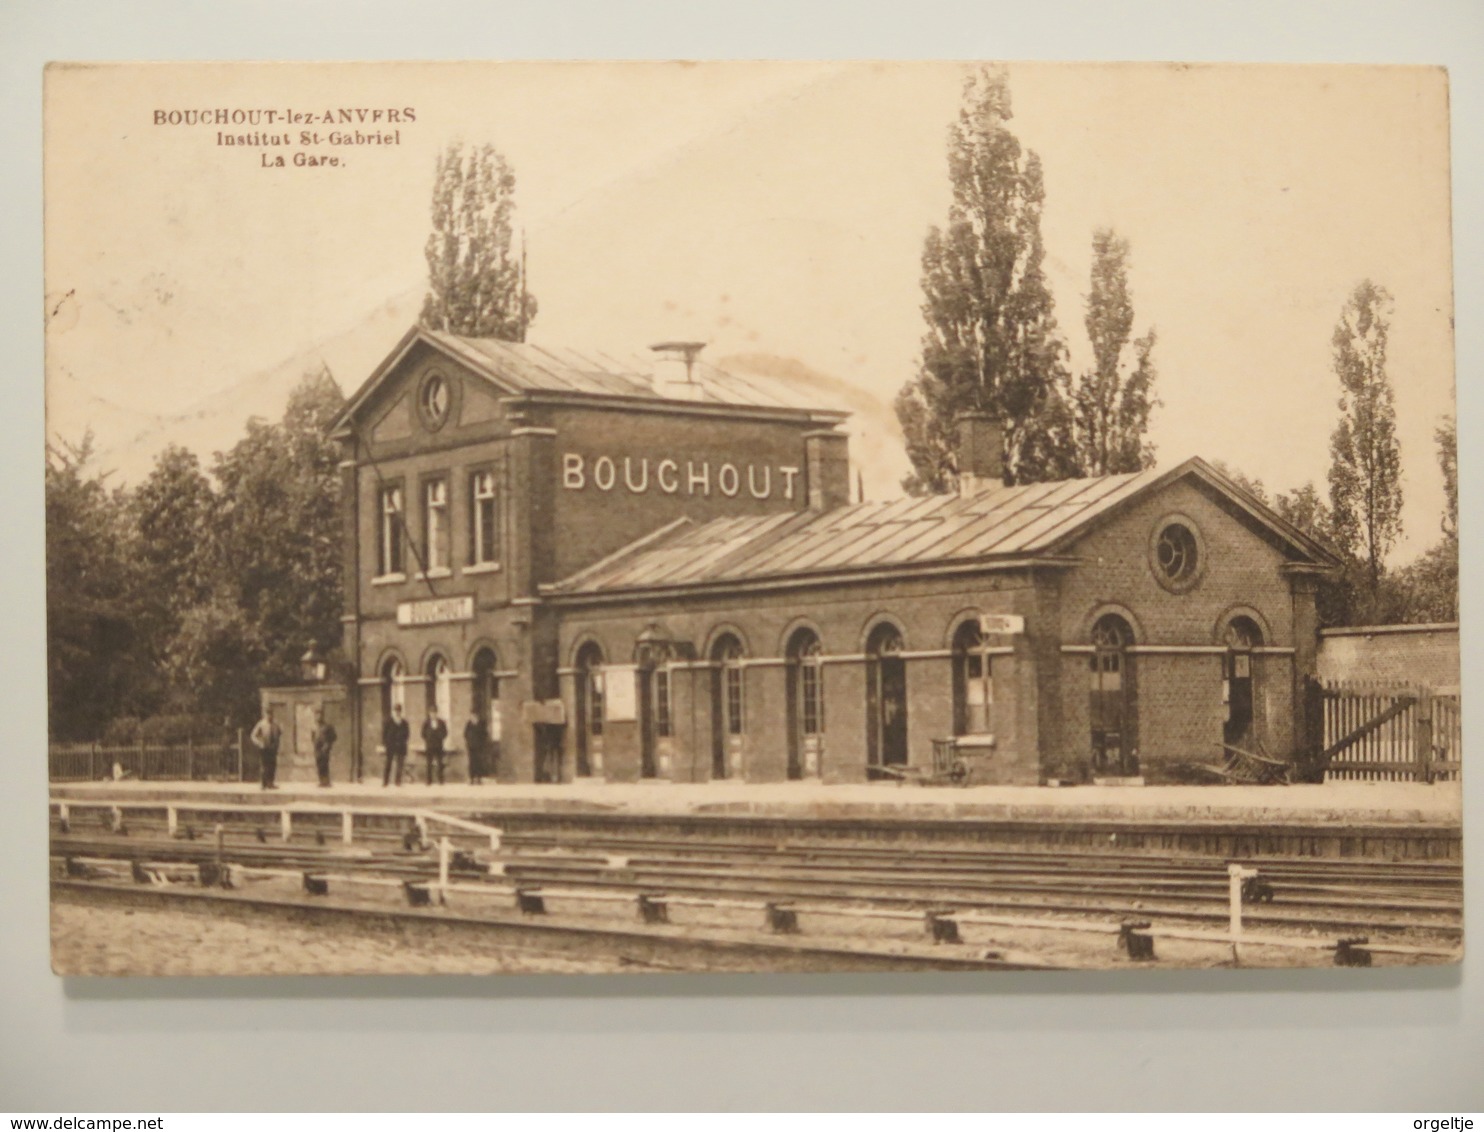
x=674, y=370
x=827, y=469
x=981, y=453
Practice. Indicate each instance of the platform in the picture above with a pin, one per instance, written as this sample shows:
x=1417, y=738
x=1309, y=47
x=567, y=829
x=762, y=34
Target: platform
x=1336, y=803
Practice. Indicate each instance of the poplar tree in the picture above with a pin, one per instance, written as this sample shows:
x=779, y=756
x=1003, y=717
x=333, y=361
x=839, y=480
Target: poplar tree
x=991, y=342
x=1365, y=491
x=476, y=284
x=1112, y=401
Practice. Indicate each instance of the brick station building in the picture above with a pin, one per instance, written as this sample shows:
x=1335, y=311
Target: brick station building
x=651, y=569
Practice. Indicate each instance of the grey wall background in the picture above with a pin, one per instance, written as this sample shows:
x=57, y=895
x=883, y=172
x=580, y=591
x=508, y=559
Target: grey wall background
x=1306, y=1040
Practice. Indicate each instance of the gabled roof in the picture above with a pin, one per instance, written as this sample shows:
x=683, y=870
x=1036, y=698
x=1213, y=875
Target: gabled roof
x=525, y=368
x=996, y=526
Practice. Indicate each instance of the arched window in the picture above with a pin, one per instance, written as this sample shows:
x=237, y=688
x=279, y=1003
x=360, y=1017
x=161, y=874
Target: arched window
x=392, y=688
x=886, y=701
x=805, y=704
x=439, y=686
x=1238, y=689
x=487, y=690
x=727, y=705
x=1114, y=744
x=589, y=706
x=973, y=680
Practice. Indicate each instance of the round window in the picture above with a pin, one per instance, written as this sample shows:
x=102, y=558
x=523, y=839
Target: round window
x=1175, y=554
x=434, y=400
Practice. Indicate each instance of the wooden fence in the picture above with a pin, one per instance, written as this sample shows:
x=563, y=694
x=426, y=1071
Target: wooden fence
x=1379, y=731
x=227, y=761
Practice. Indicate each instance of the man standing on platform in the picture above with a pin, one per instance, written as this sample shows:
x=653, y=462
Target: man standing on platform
x=476, y=743
x=435, y=735
x=394, y=735
x=324, y=742
x=266, y=737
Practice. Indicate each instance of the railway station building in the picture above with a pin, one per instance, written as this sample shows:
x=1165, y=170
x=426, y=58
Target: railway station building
x=652, y=569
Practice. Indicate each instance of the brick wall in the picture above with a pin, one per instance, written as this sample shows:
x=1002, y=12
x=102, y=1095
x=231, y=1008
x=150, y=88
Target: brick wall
x=1425, y=654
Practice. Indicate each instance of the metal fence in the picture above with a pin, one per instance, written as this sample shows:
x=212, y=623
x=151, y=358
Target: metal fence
x=1376, y=731
x=227, y=761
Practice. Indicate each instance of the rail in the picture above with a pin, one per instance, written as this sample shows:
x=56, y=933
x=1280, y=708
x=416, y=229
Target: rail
x=1136, y=937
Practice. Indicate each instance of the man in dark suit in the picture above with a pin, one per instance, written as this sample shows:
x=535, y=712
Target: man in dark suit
x=435, y=738
x=324, y=742
x=394, y=735
x=476, y=743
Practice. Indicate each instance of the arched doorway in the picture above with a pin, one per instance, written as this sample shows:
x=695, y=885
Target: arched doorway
x=726, y=706
x=886, y=701
x=1114, y=742
x=805, y=705
x=1238, y=680
x=486, y=709
x=973, y=681
x=589, y=704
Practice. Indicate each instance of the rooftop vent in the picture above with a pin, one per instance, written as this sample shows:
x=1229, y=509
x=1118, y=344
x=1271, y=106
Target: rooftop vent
x=674, y=370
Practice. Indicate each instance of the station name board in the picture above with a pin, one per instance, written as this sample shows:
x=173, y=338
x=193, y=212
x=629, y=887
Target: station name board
x=436, y=611
x=640, y=474
x=1008, y=623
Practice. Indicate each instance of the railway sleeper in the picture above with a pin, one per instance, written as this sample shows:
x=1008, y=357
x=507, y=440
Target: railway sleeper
x=1350, y=953
x=782, y=918
x=942, y=926
x=1136, y=940
x=653, y=908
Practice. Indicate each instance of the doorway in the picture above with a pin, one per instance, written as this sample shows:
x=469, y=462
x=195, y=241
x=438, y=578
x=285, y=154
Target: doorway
x=1114, y=743
x=1238, y=679
x=805, y=705
x=886, y=702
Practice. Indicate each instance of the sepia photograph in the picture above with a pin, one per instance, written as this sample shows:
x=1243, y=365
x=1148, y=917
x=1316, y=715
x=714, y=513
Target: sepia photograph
x=604, y=517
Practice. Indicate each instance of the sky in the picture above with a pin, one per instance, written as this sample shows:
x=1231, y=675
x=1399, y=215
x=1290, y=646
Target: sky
x=769, y=209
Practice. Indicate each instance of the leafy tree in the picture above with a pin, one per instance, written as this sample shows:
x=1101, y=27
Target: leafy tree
x=95, y=655
x=991, y=342
x=169, y=520
x=1365, y=490
x=276, y=554
x=476, y=286
x=1446, y=436
x=1112, y=401
x=1429, y=587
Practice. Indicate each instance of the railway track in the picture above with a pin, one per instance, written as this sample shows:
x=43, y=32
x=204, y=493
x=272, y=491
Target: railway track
x=1402, y=900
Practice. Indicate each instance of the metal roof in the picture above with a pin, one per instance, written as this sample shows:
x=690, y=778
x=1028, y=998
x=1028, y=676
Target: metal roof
x=525, y=367
x=996, y=523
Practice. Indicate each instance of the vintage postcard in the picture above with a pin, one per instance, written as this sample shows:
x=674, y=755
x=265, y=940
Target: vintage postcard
x=576, y=517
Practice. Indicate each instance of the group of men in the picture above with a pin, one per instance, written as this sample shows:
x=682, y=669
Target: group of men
x=395, y=733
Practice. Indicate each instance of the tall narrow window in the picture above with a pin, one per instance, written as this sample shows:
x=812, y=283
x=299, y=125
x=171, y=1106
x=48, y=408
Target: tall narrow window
x=731, y=667
x=973, y=681
x=484, y=516
x=435, y=524
x=805, y=657
x=662, y=701
x=813, y=705
x=389, y=547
